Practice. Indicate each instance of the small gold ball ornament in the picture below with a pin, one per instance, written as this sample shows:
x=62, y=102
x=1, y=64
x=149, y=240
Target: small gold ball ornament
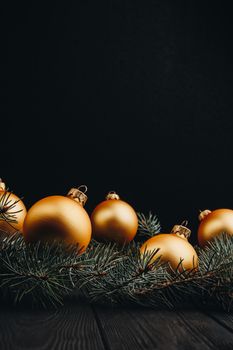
x=213, y=223
x=114, y=220
x=59, y=218
x=12, y=211
x=174, y=248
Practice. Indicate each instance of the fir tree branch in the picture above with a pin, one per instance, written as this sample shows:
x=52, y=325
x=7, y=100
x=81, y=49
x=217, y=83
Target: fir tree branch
x=7, y=205
x=45, y=274
x=148, y=225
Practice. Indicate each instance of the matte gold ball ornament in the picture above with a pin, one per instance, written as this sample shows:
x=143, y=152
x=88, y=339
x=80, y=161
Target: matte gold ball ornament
x=173, y=248
x=12, y=211
x=213, y=223
x=114, y=220
x=59, y=218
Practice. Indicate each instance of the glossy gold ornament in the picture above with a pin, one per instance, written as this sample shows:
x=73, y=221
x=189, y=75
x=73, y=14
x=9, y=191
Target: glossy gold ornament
x=114, y=220
x=59, y=218
x=213, y=223
x=173, y=248
x=12, y=211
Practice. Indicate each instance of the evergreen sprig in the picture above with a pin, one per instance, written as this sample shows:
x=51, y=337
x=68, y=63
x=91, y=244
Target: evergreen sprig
x=7, y=207
x=45, y=274
x=148, y=225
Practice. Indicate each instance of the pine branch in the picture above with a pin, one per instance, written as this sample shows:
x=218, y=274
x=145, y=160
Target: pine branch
x=7, y=208
x=45, y=274
x=148, y=225
x=136, y=280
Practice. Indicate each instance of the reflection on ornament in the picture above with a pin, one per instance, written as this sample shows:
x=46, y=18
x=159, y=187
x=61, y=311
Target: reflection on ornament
x=59, y=218
x=114, y=220
x=12, y=211
x=174, y=248
x=213, y=223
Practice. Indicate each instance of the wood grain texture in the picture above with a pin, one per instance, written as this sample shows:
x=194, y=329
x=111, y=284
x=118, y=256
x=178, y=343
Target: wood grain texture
x=147, y=329
x=71, y=327
x=80, y=326
x=214, y=334
x=224, y=319
x=150, y=329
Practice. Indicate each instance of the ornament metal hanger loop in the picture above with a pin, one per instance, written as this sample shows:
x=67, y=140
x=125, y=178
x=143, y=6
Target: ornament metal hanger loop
x=78, y=195
x=112, y=195
x=203, y=214
x=184, y=223
x=182, y=230
x=84, y=188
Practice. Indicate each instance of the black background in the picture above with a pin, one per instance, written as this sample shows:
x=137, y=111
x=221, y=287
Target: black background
x=128, y=96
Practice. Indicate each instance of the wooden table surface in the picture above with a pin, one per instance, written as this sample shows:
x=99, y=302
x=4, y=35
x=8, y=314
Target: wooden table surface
x=81, y=326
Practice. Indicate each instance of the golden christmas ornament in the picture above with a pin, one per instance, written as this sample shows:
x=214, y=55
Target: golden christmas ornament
x=173, y=248
x=12, y=211
x=213, y=223
x=114, y=220
x=59, y=218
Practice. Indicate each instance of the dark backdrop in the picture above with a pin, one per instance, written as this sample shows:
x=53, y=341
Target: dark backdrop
x=125, y=95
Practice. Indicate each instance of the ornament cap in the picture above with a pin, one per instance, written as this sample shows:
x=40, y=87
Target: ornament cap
x=2, y=185
x=203, y=214
x=78, y=195
x=112, y=195
x=182, y=230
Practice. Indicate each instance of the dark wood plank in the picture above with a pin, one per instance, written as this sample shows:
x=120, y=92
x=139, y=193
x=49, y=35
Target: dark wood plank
x=71, y=327
x=146, y=329
x=210, y=331
x=76, y=326
x=150, y=329
x=224, y=319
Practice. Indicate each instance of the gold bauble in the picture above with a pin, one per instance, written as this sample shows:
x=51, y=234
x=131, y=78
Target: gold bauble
x=213, y=223
x=114, y=220
x=173, y=248
x=59, y=218
x=12, y=211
